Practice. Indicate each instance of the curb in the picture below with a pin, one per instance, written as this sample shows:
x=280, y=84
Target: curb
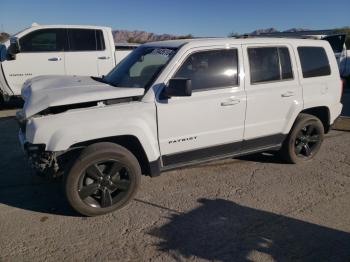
x=342, y=123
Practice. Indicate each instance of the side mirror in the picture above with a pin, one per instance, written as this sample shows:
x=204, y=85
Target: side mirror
x=178, y=87
x=14, y=48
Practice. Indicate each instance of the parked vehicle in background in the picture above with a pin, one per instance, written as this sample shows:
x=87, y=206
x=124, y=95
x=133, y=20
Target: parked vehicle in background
x=57, y=50
x=176, y=103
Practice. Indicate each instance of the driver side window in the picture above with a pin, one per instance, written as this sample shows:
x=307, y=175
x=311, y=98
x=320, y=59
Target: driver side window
x=211, y=69
x=45, y=40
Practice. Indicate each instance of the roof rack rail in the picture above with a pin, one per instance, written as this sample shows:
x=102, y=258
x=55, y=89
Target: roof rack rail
x=275, y=36
x=307, y=34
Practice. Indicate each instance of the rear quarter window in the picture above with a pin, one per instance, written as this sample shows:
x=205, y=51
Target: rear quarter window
x=314, y=61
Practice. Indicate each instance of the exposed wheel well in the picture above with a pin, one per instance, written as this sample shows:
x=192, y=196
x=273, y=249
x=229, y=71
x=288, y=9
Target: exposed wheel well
x=129, y=142
x=321, y=113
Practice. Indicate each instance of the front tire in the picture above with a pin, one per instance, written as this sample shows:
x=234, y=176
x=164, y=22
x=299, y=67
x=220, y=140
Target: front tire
x=104, y=178
x=304, y=140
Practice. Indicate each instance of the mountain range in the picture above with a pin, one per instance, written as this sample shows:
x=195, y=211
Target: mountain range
x=123, y=36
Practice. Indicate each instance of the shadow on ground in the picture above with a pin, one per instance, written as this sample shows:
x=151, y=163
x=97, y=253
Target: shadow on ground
x=221, y=230
x=271, y=158
x=19, y=187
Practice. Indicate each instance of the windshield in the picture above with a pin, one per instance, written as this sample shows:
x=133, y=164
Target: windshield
x=141, y=67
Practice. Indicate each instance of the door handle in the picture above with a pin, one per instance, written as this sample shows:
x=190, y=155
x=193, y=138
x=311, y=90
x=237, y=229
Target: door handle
x=288, y=94
x=103, y=57
x=231, y=102
x=55, y=59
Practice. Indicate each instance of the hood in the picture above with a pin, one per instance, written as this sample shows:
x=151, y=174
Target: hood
x=42, y=92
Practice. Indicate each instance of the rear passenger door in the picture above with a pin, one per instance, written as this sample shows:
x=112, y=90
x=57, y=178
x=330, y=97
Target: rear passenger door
x=84, y=47
x=210, y=122
x=273, y=94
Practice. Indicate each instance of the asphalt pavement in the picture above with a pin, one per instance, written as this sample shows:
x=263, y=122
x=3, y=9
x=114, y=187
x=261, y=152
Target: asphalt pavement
x=248, y=209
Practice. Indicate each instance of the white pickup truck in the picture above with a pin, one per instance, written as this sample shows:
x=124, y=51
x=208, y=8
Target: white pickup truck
x=57, y=50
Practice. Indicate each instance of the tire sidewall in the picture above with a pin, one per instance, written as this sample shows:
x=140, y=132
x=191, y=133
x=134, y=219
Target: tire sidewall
x=75, y=173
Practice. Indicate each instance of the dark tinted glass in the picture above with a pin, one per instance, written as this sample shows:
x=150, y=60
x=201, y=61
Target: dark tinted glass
x=211, y=69
x=264, y=64
x=100, y=40
x=82, y=40
x=336, y=42
x=45, y=40
x=286, y=65
x=314, y=61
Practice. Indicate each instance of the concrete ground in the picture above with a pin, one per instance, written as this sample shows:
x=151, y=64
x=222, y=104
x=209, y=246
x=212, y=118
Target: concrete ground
x=249, y=209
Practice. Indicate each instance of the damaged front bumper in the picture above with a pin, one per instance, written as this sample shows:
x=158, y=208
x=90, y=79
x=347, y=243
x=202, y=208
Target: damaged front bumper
x=43, y=162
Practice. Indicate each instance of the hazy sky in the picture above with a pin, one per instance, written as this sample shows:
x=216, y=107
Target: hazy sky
x=197, y=17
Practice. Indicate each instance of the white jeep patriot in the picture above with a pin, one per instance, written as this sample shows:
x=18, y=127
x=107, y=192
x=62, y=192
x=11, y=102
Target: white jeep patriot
x=176, y=103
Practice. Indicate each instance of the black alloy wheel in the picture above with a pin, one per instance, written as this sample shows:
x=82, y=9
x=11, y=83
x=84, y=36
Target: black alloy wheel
x=307, y=140
x=304, y=140
x=105, y=177
x=104, y=184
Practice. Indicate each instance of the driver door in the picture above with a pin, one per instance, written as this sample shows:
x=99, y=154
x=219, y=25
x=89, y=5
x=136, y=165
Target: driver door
x=42, y=53
x=209, y=123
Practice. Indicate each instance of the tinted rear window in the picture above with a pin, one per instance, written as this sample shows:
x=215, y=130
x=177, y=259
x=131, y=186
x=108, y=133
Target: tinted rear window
x=286, y=65
x=314, y=61
x=336, y=42
x=85, y=40
x=269, y=64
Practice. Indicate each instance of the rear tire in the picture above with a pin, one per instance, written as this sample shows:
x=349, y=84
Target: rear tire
x=104, y=178
x=304, y=140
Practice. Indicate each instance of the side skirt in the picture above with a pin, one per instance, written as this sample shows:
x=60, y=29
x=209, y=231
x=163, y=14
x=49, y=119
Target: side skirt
x=198, y=156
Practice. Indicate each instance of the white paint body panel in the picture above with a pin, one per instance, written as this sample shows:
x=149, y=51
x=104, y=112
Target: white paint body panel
x=61, y=131
x=268, y=110
x=49, y=91
x=261, y=112
x=28, y=65
x=202, y=115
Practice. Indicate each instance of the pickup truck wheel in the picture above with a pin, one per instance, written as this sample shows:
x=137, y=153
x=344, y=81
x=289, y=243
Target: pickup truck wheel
x=304, y=140
x=104, y=178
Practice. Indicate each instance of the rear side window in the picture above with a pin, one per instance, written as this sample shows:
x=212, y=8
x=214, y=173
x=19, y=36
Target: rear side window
x=44, y=40
x=211, y=69
x=269, y=64
x=85, y=40
x=100, y=41
x=314, y=61
x=286, y=65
